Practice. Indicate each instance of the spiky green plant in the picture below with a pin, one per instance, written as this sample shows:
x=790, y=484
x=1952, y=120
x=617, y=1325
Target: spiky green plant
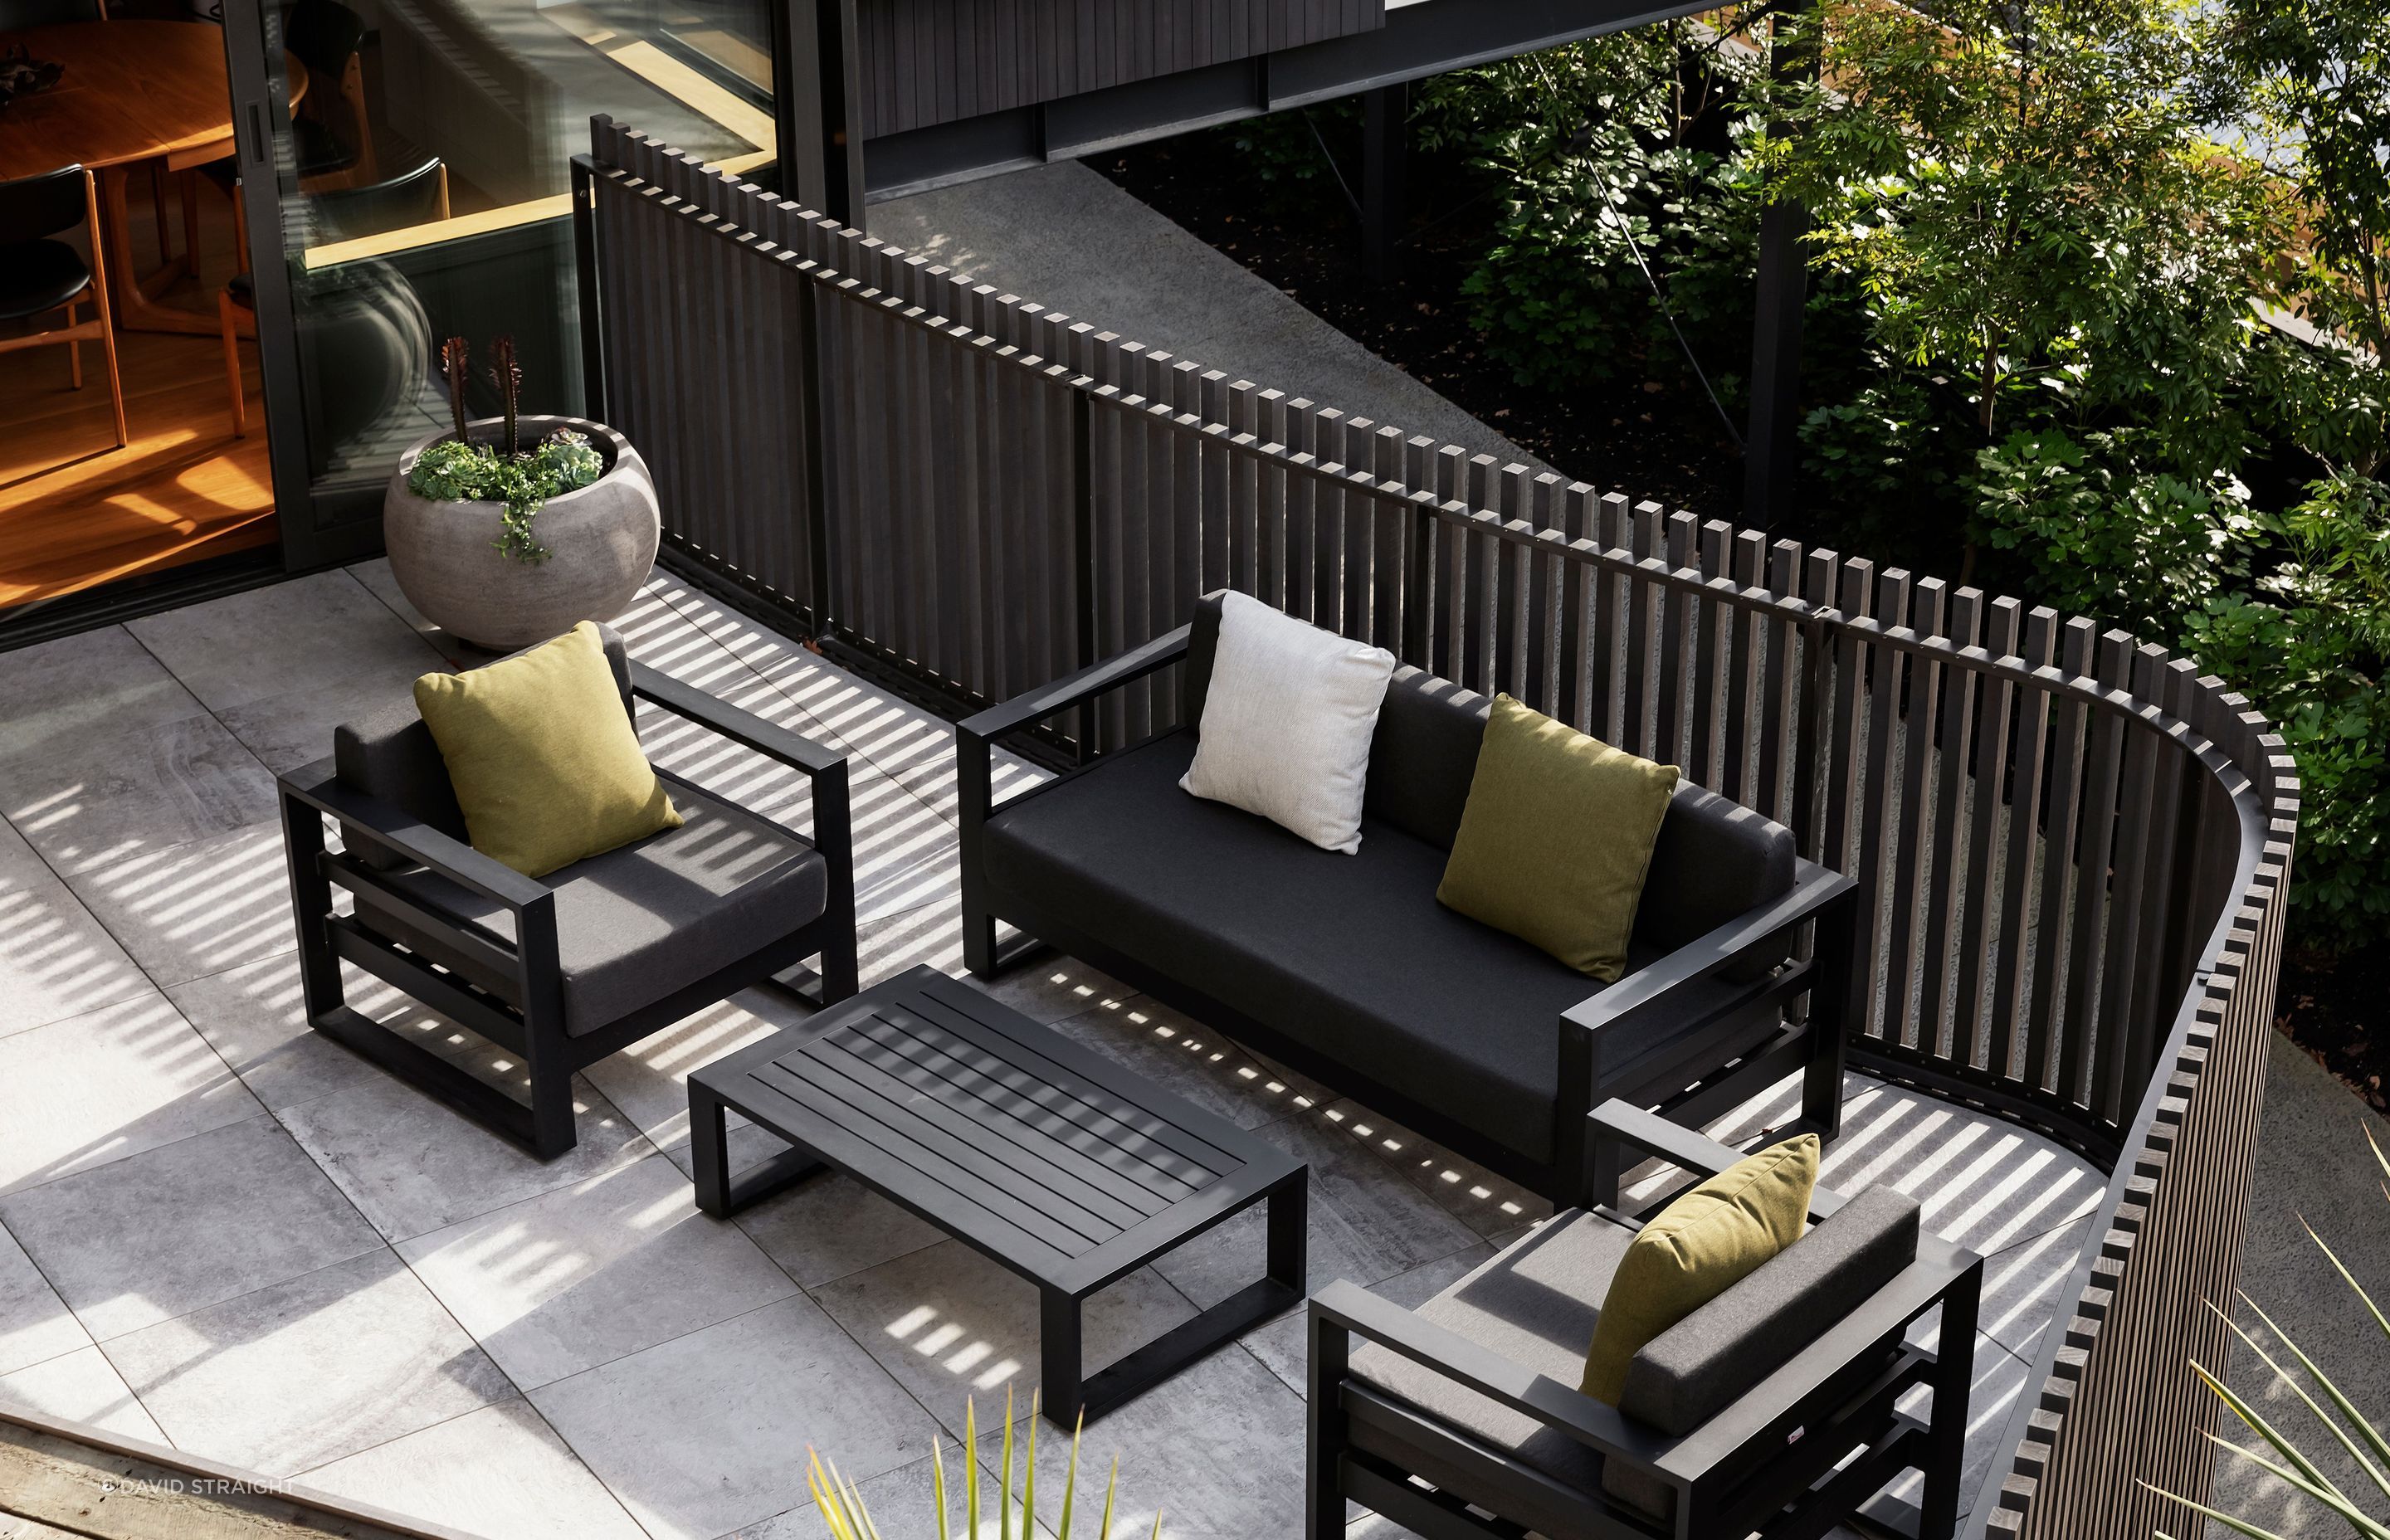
x=841, y=1505
x=2359, y=1439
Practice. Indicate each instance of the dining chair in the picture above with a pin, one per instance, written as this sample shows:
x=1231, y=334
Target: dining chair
x=19, y=15
x=329, y=128
x=416, y=196
x=39, y=274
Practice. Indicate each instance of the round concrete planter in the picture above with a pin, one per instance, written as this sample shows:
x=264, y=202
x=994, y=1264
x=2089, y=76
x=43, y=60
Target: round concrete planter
x=601, y=539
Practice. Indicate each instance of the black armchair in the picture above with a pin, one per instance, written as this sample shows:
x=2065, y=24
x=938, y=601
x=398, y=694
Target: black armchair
x=1776, y=1409
x=569, y=968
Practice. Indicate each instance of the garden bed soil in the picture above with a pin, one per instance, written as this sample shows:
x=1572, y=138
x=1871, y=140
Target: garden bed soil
x=2337, y=1010
x=1658, y=439
x=1652, y=437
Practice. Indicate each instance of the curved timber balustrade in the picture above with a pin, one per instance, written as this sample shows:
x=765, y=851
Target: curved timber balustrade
x=2076, y=848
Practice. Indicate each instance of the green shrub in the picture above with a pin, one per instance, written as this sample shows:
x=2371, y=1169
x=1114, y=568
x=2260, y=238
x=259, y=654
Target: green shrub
x=2312, y=651
x=2090, y=533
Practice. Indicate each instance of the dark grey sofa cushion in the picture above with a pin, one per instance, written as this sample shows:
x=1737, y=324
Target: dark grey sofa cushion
x=1689, y=1372
x=1349, y=955
x=634, y=924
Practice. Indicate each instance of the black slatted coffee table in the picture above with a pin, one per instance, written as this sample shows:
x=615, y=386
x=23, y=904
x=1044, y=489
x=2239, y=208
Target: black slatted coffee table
x=1049, y=1159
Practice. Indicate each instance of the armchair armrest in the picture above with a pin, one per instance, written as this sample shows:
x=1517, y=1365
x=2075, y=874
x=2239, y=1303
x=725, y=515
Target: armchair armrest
x=318, y=785
x=826, y=767
x=1346, y=1307
x=1616, y=1127
x=1815, y=891
x=741, y=727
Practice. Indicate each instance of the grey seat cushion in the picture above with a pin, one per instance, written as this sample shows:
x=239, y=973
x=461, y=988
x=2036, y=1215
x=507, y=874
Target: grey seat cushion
x=1348, y=955
x=1534, y=1305
x=636, y=924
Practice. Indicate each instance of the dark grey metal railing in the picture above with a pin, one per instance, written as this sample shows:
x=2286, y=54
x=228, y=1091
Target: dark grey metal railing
x=2074, y=847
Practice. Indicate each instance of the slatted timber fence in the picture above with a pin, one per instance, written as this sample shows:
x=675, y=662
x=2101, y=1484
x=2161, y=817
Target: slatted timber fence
x=2074, y=847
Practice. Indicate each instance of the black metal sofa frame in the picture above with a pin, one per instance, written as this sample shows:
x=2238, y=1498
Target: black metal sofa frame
x=1692, y=1033
x=513, y=994
x=1763, y=1463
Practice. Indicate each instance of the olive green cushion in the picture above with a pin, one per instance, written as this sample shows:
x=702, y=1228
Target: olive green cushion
x=1556, y=837
x=543, y=757
x=1696, y=1248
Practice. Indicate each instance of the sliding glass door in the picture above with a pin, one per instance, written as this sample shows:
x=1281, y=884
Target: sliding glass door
x=406, y=175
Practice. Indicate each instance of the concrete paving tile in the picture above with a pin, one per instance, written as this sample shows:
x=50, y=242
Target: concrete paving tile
x=500, y=1470
x=99, y=799
x=189, y=910
x=1284, y=1345
x=2023, y=1284
x=414, y=1166
x=34, y=1323
x=94, y=682
x=1985, y=1184
x=312, y=632
x=830, y=1226
x=586, y=1273
x=649, y=1080
x=706, y=1433
x=82, y=1386
x=57, y=960
x=1366, y=1221
x=186, y=1226
x=94, y=1088
x=288, y=731
x=256, y=1020
x=1487, y=1202
x=1217, y=1450
x=309, y=1371
x=1172, y=1050
x=951, y=1325
x=1053, y=988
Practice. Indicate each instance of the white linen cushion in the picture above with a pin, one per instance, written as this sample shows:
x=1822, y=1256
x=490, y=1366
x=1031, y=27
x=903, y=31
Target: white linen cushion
x=1288, y=722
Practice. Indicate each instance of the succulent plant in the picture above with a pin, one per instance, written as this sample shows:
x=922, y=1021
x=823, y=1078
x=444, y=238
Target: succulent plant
x=506, y=373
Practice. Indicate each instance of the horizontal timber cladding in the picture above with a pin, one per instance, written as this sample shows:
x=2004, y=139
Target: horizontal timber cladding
x=2075, y=847
x=934, y=61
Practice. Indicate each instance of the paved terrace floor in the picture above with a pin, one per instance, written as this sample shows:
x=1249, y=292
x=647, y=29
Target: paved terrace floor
x=225, y=1234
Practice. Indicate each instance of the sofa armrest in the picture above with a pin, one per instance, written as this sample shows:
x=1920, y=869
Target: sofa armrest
x=1815, y=891
x=1346, y=1311
x=975, y=736
x=319, y=787
x=1072, y=690
x=1616, y=1128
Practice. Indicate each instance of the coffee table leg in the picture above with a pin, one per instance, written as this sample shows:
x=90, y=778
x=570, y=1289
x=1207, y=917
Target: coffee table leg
x=709, y=1148
x=1058, y=1356
x=1286, y=1257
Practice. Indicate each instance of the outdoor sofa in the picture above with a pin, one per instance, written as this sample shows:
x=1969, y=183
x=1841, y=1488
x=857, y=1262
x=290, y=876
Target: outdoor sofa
x=1780, y=1407
x=1348, y=969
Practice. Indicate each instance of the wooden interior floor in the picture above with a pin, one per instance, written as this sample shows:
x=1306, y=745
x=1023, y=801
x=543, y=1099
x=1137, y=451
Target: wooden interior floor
x=75, y=511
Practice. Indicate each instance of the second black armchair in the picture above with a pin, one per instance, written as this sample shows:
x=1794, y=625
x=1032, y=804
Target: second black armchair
x=566, y=968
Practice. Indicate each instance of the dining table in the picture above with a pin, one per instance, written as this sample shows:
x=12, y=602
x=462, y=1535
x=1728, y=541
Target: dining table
x=131, y=95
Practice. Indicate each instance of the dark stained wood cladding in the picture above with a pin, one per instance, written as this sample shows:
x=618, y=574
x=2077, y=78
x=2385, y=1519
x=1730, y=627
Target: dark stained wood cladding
x=933, y=61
